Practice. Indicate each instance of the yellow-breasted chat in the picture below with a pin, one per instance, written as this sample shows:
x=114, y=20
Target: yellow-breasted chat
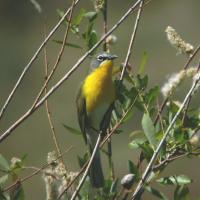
x=94, y=107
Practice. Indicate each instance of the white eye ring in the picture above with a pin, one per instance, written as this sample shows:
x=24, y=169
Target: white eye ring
x=100, y=58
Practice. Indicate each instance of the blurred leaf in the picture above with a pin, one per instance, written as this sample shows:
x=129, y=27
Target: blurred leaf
x=78, y=18
x=92, y=40
x=68, y=44
x=147, y=150
x=36, y=5
x=72, y=130
x=91, y=15
x=143, y=63
x=4, y=163
x=136, y=143
x=107, y=186
x=181, y=193
x=74, y=29
x=133, y=169
x=3, y=179
x=60, y=13
x=82, y=160
x=113, y=188
x=128, y=116
x=174, y=180
x=152, y=95
x=149, y=129
x=18, y=193
x=156, y=193
x=2, y=197
x=141, y=83
x=137, y=133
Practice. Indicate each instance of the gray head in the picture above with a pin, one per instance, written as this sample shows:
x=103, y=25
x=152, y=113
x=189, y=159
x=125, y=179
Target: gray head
x=99, y=58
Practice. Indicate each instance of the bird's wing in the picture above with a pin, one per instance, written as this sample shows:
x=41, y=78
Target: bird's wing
x=82, y=114
x=106, y=119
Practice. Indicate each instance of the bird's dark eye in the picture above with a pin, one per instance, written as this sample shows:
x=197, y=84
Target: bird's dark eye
x=100, y=58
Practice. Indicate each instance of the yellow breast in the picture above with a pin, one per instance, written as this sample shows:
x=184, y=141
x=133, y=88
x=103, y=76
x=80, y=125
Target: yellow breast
x=98, y=88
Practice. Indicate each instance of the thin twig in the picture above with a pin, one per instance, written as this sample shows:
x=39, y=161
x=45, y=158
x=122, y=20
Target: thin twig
x=87, y=168
x=48, y=110
x=116, y=126
x=150, y=164
x=58, y=57
x=101, y=145
x=67, y=75
x=105, y=24
x=189, y=60
x=191, y=57
x=34, y=173
x=27, y=67
x=189, y=100
x=132, y=39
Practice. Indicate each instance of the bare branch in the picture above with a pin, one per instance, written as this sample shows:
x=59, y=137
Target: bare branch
x=132, y=40
x=27, y=67
x=87, y=168
x=156, y=152
x=34, y=173
x=67, y=75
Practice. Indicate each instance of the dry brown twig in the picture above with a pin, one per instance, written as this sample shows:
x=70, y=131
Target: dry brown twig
x=156, y=152
x=67, y=75
x=48, y=77
x=34, y=173
x=133, y=35
x=163, y=104
x=34, y=57
x=112, y=131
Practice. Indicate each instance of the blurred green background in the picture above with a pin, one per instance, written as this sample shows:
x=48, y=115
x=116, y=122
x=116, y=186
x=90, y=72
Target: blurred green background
x=22, y=31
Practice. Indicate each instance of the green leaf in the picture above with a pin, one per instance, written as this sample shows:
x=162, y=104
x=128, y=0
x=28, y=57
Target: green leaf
x=133, y=169
x=113, y=187
x=156, y=193
x=60, y=13
x=143, y=63
x=141, y=83
x=2, y=197
x=78, y=18
x=82, y=160
x=91, y=15
x=128, y=116
x=4, y=163
x=68, y=44
x=18, y=193
x=36, y=5
x=72, y=130
x=92, y=39
x=136, y=143
x=175, y=180
x=149, y=129
x=152, y=95
x=3, y=179
x=181, y=193
x=147, y=150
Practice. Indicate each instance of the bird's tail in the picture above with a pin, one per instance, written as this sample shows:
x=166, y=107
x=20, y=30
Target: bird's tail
x=96, y=173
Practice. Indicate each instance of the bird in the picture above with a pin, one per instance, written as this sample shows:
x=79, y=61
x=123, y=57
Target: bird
x=95, y=102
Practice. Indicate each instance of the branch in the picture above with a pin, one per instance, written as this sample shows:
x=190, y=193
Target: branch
x=27, y=67
x=58, y=57
x=49, y=77
x=67, y=75
x=34, y=173
x=101, y=145
x=185, y=67
x=149, y=166
x=87, y=168
x=132, y=39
